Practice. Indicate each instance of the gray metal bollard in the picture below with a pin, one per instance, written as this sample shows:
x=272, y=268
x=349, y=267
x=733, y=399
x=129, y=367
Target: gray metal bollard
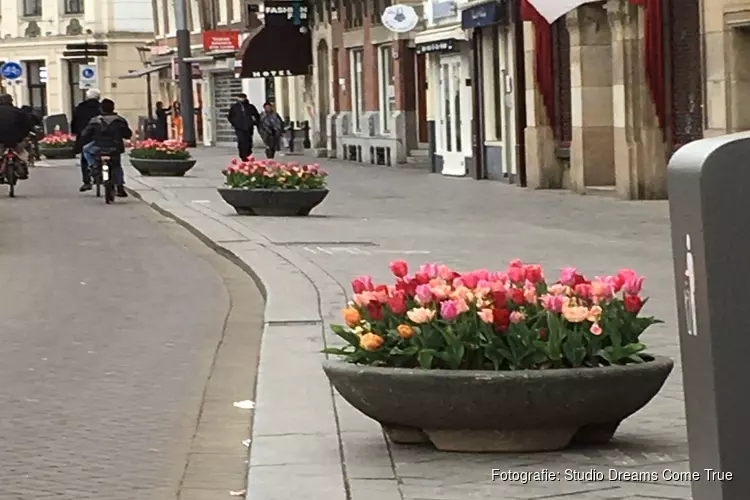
x=709, y=203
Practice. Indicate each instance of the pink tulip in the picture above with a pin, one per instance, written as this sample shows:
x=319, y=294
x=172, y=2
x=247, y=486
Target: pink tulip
x=553, y=303
x=517, y=274
x=567, y=275
x=429, y=269
x=449, y=310
x=485, y=315
x=424, y=295
x=633, y=285
x=517, y=317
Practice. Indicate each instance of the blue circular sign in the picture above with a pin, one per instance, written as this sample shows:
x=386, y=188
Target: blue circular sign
x=11, y=70
x=87, y=73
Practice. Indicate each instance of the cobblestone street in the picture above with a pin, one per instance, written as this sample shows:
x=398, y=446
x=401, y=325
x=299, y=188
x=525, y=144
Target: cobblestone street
x=372, y=216
x=113, y=320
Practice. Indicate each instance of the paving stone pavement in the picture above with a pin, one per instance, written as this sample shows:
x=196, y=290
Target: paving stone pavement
x=307, y=442
x=112, y=320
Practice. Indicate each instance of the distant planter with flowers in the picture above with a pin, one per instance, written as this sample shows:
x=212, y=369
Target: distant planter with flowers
x=268, y=187
x=58, y=146
x=162, y=158
x=501, y=361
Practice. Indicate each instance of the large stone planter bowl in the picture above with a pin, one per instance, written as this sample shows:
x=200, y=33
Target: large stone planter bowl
x=273, y=202
x=165, y=168
x=57, y=153
x=505, y=411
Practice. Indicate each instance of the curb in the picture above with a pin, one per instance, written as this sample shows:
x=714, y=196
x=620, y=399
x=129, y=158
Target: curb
x=306, y=441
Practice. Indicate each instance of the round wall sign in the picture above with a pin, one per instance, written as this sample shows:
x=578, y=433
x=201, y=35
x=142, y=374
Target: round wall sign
x=400, y=18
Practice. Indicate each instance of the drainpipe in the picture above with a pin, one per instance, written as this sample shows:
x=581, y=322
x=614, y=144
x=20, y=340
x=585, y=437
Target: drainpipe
x=520, y=88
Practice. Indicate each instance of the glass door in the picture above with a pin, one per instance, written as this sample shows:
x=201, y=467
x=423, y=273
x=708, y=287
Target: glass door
x=450, y=97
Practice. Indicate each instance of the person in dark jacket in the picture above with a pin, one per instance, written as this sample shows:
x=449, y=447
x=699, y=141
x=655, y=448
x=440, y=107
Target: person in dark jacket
x=108, y=133
x=271, y=128
x=82, y=115
x=15, y=126
x=244, y=117
x=161, y=133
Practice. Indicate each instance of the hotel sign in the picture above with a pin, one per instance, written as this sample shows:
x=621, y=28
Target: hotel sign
x=439, y=46
x=486, y=14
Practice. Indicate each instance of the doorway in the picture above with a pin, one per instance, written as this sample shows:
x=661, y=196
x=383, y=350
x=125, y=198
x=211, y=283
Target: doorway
x=324, y=106
x=451, y=145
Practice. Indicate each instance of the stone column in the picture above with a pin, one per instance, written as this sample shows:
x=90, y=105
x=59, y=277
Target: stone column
x=542, y=168
x=592, y=160
x=640, y=152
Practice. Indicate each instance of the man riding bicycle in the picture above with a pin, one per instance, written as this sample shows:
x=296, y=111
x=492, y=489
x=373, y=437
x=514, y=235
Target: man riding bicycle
x=108, y=131
x=37, y=126
x=14, y=128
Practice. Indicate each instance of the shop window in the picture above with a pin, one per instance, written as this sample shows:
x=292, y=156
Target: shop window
x=36, y=84
x=77, y=95
x=561, y=61
x=32, y=8
x=357, y=84
x=74, y=6
x=386, y=87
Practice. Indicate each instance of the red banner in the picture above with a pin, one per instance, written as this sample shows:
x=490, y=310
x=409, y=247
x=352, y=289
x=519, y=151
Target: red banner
x=215, y=41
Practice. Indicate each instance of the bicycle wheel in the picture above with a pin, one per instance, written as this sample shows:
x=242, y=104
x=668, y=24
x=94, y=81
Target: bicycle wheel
x=109, y=192
x=10, y=178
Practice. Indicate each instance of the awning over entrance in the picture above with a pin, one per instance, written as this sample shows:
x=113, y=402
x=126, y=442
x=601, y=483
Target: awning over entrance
x=441, y=34
x=282, y=46
x=143, y=72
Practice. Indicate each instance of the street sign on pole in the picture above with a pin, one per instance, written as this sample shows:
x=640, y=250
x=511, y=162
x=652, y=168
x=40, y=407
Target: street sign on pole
x=709, y=214
x=85, y=52
x=11, y=71
x=88, y=77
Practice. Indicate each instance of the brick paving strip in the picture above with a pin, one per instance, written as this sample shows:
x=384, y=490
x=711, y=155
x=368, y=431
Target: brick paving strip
x=307, y=442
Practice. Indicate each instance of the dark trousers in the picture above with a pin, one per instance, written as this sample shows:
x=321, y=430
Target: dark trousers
x=85, y=171
x=244, y=143
x=272, y=146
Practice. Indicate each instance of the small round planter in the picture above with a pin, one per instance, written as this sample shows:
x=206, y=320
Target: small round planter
x=273, y=202
x=165, y=168
x=66, y=153
x=504, y=411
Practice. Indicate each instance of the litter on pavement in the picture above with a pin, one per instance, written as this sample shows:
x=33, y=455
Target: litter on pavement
x=244, y=405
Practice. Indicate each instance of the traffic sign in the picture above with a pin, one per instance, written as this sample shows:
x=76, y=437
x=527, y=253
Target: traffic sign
x=11, y=70
x=88, y=77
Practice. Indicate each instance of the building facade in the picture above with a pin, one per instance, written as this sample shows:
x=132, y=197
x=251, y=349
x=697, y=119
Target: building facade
x=219, y=32
x=35, y=33
x=369, y=107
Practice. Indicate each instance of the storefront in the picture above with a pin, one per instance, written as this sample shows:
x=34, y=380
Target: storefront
x=445, y=46
x=493, y=91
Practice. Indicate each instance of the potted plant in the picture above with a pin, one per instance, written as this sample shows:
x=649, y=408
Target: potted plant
x=58, y=146
x=496, y=361
x=163, y=158
x=268, y=187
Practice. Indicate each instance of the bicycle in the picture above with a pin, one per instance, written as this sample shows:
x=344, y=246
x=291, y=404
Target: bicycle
x=9, y=165
x=103, y=176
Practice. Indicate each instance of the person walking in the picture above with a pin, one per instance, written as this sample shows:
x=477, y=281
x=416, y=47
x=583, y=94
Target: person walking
x=82, y=115
x=244, y=117
x=161, y=133
x=271, y=128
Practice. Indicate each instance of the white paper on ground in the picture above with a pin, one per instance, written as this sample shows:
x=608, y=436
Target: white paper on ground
x=244, y=405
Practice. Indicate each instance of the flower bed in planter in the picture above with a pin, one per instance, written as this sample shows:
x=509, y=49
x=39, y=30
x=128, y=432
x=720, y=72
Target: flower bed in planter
x=496, y=361
x=157, y=158
x=57, y=146
x=267, y=187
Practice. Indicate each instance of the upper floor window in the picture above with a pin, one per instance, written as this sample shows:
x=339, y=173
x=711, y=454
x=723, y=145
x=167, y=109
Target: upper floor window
x=32, y=8
x=74, y=6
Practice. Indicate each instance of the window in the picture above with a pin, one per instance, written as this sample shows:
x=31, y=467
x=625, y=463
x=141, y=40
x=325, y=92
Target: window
x=74, y=6
x=386, y=90
x=355, y=61
x=32, y=8
x=77, y=94
x=561, y=61
x=270, y=87
x=36, y=84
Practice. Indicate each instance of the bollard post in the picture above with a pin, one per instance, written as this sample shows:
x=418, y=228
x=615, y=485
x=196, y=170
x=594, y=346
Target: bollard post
x=291, y=137
x=306, y=143
x=709, y=182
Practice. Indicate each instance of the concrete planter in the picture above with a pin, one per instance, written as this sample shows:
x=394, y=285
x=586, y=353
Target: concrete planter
x=487, y=411
x=273, y=202
x=57, y=153
x=165, y=168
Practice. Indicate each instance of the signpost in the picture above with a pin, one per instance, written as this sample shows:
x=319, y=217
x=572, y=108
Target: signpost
x=84, y=53
x=12, y=71
x=88, y=77
x=710, y=215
